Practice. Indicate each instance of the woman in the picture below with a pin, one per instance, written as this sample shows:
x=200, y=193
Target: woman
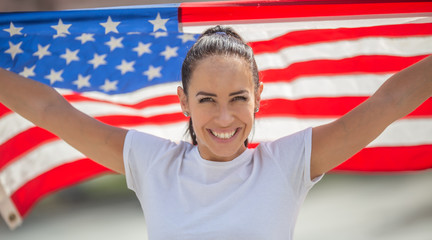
x=217, y=188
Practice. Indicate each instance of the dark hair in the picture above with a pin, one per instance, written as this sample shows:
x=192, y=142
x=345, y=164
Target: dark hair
x=217, y=41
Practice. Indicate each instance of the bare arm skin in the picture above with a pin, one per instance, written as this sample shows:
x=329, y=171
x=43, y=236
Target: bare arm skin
x=335, y=142
x=44, y=107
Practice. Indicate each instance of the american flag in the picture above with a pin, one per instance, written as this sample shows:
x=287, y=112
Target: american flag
x=317, y=59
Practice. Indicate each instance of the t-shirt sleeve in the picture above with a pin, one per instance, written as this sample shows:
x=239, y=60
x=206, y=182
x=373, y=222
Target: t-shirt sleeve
x=293, y=155
x=140, y=152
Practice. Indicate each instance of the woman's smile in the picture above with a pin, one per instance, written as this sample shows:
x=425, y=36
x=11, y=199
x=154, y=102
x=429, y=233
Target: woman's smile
x=224, y=135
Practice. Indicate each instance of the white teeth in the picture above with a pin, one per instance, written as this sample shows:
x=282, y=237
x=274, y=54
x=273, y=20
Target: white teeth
x=224, y=135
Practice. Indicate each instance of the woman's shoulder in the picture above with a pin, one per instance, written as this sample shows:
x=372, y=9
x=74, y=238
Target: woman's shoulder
x=145, y=144
x=291, y=141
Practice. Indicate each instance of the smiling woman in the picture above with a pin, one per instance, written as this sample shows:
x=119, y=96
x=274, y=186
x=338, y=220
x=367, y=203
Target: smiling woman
x=221, y=99
x=223, y=44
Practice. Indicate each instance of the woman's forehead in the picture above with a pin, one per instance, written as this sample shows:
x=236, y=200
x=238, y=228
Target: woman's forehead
x=218, y=72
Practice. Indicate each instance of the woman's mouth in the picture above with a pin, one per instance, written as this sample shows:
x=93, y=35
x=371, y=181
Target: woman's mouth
x=224, y=135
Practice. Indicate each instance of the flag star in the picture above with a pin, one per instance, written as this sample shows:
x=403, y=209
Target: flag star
x=82, y=81
x=153, y=72
x=28, y=72
x=109, y=86
x=42, y=51
x=159, y=23
x=12, y=30
x=14, y=49
x=110, y=26
x=114, y=43
x=125, y=67
x=159, y=34
x=98, y=60
x=86, y=37
x=70, y=56
x=186, y=37
x=169, y=52
x=62, y=29
x=54, y=76
x=142, y=48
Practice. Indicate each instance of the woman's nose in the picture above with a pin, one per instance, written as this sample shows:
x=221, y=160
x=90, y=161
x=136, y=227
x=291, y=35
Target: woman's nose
x=224, y=116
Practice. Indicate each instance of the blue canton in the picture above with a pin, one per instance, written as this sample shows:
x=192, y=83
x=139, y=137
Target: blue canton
x=107, y=50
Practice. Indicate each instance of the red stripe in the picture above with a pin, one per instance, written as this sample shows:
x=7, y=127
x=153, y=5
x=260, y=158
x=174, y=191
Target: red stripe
x=254, y=10
x=163, y=119
x=22, y=143
x=353, y=65
x=322, y=107
x=386, y=159
x=3, y=110
x=58, y=178
x=305, y=37
x=390, y=159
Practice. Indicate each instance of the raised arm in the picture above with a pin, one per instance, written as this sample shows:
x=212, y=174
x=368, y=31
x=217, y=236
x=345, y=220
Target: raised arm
x=43, y=106
x=335, y=142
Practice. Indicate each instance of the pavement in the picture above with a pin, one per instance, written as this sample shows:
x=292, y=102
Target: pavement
x=355, y=207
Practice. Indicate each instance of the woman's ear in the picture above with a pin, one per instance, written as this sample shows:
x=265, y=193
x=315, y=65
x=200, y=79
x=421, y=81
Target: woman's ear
x=258, y=95
x=183, y=100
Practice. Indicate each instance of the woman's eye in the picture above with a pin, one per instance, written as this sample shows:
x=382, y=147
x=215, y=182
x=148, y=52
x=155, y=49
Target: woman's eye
x=239, y=98
x=207, y=99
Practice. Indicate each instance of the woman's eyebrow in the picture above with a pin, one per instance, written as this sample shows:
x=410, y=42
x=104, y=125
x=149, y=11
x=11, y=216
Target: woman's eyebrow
x=205, y=94
x=214, y=95
x=238, y=92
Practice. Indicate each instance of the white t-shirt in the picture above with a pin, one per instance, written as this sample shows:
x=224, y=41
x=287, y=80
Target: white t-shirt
x=255, y=196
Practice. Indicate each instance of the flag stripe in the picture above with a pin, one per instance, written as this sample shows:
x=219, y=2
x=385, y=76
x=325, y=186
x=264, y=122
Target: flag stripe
x=405, y=47
x=28, y=140
x=249, y=10
x=389, y=159
x=324, y=107
x=274, y=29
x=351, y=65
x=307, y=37
x=403, y=132
x=60, y=177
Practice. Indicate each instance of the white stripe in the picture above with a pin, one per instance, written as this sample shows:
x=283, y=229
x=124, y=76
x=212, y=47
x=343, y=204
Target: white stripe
x=96, y=109
x=11, y=125
x=405, y=47
x=403, y=132
x=325, y=86
x=46, y=157
x=137, y=96
x=275, y=29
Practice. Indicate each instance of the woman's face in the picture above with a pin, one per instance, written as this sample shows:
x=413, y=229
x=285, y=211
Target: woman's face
x=221, y=101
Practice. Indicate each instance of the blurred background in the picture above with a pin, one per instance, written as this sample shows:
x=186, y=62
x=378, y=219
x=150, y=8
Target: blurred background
x=342, y=206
